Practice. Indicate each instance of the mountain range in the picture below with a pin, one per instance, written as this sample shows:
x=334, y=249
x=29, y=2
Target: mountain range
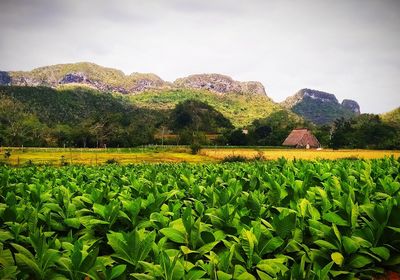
x=240, y=102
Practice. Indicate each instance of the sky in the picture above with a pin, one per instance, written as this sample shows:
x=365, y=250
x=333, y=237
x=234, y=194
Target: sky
x=350, y=48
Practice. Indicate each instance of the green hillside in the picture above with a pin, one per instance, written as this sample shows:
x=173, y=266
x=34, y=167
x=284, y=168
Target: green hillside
x=321, y=112
x=241, y=110
x=240, y=102
x=56, y=72
x=98, y=77
x=392, y=117
x=81, y=116
x=319, y=107
x=72, y=116
x=73, y=104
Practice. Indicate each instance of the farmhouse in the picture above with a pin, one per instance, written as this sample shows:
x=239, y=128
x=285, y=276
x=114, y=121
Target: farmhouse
x=301, y=138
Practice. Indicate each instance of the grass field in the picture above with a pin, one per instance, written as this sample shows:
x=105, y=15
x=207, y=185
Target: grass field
x=57, y=156
x=297, y=153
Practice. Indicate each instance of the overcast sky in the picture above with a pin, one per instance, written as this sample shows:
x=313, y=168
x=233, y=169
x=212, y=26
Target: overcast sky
x=346, y=47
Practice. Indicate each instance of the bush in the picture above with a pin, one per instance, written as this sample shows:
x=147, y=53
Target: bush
x=195, y=148
x=7, y=154
x=234, y=159
x=63, y=162
x=29, y=163
x=259, y=156
x=112, y=161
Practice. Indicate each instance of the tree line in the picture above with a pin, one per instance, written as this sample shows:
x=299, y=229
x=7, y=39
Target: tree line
x=58, y=119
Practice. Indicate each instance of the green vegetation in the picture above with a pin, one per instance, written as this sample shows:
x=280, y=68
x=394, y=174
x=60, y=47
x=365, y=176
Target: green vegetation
x=319, y=112
x=241, y=110
x=72, y=116
x=69, y=104
x=273, y=130
x=76, y=116
x=262, y=220
x=365, y=131
x=198, y=116
x=392, y=117
x=102, y=76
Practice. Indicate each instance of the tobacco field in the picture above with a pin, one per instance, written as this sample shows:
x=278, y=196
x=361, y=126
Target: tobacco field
x=260, y=220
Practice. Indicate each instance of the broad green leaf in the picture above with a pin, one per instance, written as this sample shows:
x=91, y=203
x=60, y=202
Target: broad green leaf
x=354, y=215
x=396, y=229
x=194, y=274
x=359, y=261
x=303, y=206
x=223, y=275
x=142, y=276
x=335, y=219
x=5, y=235
x=207, y=237
x=29, y=262
x=187, y=219
x=271, y=245
x=174, y=235
x=6, y=257
x=323, y=274
x=284, y=223
x=336, y=273
x=263, y=275
x=154, y=269
x=325, y=244
x=337, y=233
x=185, y=250
x=76, y=255
x=274, y=266
x=350, y=246
x=99, y=209
x=248, y=241
x=117, y=271
x=146, y=244
x=382, y=252
x=23, y=251
x=240, y=273
x=9, y=272
x=178, y=270
x=72, y=222
x=393, y=261
x=207, y=247
x=337, y=258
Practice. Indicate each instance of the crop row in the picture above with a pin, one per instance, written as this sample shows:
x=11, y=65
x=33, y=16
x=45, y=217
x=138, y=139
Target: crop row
x=262, y=220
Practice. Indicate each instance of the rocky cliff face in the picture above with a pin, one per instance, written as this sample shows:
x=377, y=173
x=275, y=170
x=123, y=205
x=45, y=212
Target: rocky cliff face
x=351, y=105
x=5, y=78
x=95, y=76
x=220, y=84
x=310, y=94
x=320, y=107
x=108, y=79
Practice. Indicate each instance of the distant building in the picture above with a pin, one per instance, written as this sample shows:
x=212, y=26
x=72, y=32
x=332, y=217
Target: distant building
x=301, y=138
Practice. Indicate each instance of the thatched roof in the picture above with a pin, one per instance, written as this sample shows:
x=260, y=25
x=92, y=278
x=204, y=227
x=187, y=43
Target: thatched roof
x=300, y=138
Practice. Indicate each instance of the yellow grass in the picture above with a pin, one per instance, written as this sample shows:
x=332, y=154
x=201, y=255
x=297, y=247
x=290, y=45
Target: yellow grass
x=98, y=157
x=124, y=156
x=298, y=153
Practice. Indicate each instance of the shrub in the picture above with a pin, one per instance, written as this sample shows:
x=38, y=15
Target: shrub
x=234, y=159
x=195, y=148
x=259, y=156
x=7, y=154
x=112, y=161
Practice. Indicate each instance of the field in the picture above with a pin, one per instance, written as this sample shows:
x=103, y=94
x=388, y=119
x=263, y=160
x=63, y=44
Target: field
x=155, y=154
x=275, y=219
